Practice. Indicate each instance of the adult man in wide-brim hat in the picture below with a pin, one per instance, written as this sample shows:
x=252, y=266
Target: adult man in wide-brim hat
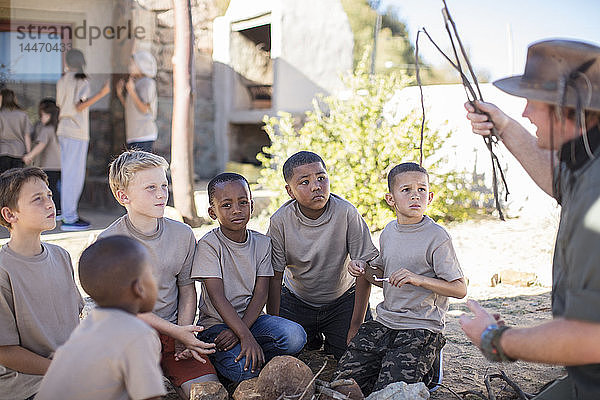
x=562, y=86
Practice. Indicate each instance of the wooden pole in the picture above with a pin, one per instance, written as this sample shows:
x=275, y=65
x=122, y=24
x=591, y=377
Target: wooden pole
x=182, y=137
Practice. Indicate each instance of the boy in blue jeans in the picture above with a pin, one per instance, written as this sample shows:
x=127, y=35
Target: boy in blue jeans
x=234, y=266
x=421, y=271
x=314, y=236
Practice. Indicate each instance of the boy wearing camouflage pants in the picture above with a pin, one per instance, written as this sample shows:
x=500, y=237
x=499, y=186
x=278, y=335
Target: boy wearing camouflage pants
x=417, y=257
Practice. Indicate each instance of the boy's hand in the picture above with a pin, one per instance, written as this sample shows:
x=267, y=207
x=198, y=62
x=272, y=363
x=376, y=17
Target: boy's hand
x=27, y=159
x=187, y=336
x=404, y=276
x=226, y=340
x=351, y=333
x=130, y=85
x=181, y=353
x=357, y=268
x=255, y=357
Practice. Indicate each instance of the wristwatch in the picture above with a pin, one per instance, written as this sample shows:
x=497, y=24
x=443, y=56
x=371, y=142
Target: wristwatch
x=490, y=343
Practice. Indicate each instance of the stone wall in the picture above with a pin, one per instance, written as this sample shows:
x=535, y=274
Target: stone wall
x=203, y=13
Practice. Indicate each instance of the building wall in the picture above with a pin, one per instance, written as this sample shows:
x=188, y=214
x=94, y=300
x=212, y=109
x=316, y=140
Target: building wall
x=316, y=45
x=203, y=13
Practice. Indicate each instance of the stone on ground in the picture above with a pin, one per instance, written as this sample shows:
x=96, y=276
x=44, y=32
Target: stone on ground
x=401, y=391
x=285, y=376
x=246, y=390
x=208, y=391
x=342, y=389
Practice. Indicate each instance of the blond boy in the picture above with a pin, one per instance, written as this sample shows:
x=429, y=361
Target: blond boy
x=139, y=183
x=39, y=301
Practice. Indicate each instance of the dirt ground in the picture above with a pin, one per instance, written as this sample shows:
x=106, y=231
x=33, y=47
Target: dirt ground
x=484, y=247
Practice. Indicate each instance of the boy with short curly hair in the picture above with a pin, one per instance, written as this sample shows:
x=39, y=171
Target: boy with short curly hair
x=112, y=354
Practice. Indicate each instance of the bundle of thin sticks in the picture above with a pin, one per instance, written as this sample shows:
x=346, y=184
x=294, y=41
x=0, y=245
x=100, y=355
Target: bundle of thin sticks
x=472, y=95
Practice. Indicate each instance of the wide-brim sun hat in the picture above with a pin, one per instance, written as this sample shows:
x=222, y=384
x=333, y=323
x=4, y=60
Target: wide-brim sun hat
x=145, y=62
x=556, y=71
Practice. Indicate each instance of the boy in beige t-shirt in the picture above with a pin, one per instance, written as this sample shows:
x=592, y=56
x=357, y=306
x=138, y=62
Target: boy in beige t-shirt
x=234, y=266
x=421, y=271
x=39, y=301
x=111, y=355
x=139, y=183
x=314, y=236
x=140, y=101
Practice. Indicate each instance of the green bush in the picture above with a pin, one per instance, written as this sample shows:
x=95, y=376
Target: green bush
x=359, y=147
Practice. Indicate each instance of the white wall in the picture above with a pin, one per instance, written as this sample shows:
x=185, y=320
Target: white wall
x=466, y=151
x=316, y=48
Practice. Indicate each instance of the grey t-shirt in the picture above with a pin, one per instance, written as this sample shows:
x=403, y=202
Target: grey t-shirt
x=171, y=250
x=111, y=355
x=39, y=308
x=71, y=91
x=14, y=124
x=425, y=249
x=576, y=266
x=49, y=158
x=237, y=264
x=314, y=253
x=141, y=126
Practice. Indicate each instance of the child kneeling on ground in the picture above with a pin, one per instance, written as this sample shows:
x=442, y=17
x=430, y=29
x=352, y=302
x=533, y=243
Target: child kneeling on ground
x=422, y=271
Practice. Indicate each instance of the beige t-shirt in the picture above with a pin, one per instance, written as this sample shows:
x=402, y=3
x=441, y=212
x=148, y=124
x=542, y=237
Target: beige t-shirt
x=112, y=355
x=314, y=253
x=49, y=158
x=171, y=250
x=14, y=124
x=141, y=127
x=425, y=249
x=70, y=91
x=237, y=264
x=39, y=308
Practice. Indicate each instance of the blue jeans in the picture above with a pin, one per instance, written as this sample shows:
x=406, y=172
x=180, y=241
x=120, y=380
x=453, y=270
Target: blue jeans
x=277, y=336
x=331, y=320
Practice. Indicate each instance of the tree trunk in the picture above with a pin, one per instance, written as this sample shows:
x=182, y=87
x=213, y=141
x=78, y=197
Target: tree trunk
x=182, y=139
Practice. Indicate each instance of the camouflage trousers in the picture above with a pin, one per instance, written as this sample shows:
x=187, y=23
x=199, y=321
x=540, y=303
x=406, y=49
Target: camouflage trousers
x=378, y=356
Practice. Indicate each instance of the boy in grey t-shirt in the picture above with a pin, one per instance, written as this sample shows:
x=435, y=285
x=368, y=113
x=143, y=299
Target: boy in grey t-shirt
x=421, y=271
x=111, y=355
x=234, y=266
x=140, y=101
x=39, y=301
x=314, y=236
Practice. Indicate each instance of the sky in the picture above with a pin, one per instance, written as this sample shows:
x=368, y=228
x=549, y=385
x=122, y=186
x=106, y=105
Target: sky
x=485, y=27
